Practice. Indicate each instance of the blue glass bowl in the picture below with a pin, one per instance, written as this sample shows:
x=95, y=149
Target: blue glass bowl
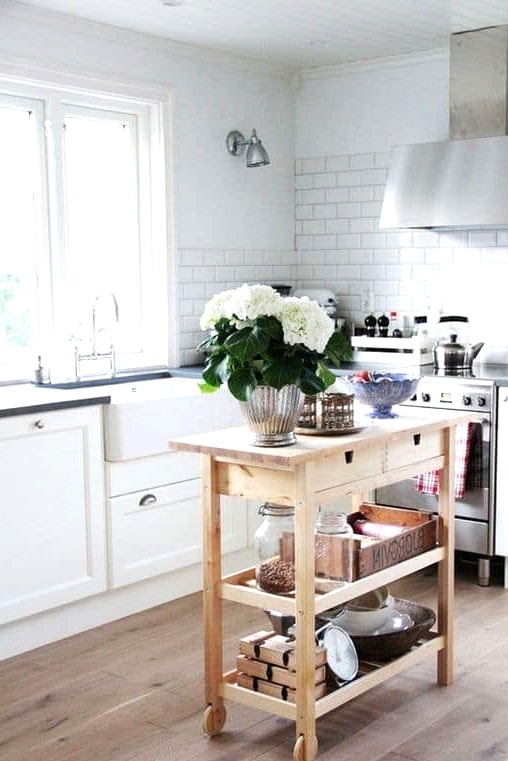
x=382, y=392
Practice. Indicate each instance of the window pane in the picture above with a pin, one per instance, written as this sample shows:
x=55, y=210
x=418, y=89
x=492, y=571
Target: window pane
x=17, y=233
x=102, y=217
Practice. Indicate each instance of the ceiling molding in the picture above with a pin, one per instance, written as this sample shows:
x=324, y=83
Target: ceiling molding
x=374, y=64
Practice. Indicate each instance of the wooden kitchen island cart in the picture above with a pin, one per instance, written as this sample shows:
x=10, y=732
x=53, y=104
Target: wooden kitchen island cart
x=317, y=470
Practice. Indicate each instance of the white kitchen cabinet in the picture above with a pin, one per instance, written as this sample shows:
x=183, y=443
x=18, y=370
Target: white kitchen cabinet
x=52, y=517
x=154, y=517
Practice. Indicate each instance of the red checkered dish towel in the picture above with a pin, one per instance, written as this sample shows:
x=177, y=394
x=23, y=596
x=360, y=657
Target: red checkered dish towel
x=428, y=483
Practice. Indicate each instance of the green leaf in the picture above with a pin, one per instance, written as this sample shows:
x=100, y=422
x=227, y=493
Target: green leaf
x=338, y=348
x=282, y=372
x=325, y=374
x=205, y=388
x=309, y=382
x=216, y=369
x=242, y=383
x=272, y=326
x=248, y=343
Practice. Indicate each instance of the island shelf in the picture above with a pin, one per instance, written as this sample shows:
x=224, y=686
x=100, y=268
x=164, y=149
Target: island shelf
x=314, y=471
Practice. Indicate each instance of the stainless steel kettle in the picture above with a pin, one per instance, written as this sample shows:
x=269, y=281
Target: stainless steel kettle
x=451, y=355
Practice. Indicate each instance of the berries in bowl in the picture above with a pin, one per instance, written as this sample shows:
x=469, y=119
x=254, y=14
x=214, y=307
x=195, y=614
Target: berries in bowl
x=381, y=390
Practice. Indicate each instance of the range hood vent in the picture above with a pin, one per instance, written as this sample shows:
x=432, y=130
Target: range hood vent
x=461, y=182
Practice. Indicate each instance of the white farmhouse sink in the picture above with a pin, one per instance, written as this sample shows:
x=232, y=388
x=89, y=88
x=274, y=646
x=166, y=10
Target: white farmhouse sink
x=142, y=416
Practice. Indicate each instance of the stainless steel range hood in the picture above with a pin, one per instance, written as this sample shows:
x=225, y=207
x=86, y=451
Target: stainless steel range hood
x=461, y=182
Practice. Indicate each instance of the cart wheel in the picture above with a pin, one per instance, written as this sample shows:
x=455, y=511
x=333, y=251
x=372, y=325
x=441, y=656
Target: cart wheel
x=305, y=749
x=214, y=719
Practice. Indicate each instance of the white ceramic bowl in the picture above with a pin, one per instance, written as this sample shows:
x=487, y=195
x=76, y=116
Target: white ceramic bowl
x=362, y=622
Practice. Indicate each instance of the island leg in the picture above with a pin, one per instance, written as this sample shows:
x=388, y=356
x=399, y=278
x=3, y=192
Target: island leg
x=306, y=745
x=446, y=580
x=215, y=713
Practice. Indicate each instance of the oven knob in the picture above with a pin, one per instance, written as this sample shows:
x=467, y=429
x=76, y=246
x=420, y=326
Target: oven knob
x=466, y=400
x=414, y=398
x=481, y=401
x=425, y=397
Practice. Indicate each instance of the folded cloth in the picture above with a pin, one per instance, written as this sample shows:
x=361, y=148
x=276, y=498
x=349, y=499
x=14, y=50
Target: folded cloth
x=428, y=483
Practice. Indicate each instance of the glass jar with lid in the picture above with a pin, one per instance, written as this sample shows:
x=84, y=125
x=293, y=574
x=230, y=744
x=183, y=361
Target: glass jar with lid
x=274, y=549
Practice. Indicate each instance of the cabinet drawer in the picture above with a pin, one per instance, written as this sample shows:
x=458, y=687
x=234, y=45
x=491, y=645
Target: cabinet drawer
x=155, y=531
x=158, y=470
x=160, y=530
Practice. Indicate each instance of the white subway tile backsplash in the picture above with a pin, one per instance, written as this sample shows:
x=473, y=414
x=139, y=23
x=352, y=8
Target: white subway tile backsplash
x=304, y=181
x=371, y=209
x=373, y=240
x=412, y=255
x=361, y=161
x=502, y=237
x=381, y=159
x=337, y=195
x=349, y=240
x=453, y=239
x=325, y=241
x=399, y=239
x=313, y=226
x=361, y=193
x=316, y=195
x=337, y=225
x=304, y=211
x=326, y=180
x=425, y=238
x=374, y=176
x=337, y=257
x=482, y=238
x=438, y=255
x=325, y=210
x=304, y=242
x=348, y=210
x=311, y=166
x=337, y=163
x=360, y=256
x=349, y=178
x=362, y=225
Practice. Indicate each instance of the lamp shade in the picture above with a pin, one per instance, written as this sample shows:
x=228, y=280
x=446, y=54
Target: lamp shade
x=256, y=153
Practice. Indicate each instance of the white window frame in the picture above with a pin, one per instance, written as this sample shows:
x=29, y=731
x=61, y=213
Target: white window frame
x=153, y=108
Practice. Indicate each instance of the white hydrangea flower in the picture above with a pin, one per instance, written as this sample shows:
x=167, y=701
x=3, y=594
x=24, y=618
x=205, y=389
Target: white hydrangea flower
x=304, y=322
x=215, y=310
x=252, y=301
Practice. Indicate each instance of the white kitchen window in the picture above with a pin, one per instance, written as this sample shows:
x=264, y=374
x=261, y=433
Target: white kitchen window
x=83, y=208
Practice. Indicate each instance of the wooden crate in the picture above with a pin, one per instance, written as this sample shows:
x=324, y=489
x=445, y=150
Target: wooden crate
x=353, y=558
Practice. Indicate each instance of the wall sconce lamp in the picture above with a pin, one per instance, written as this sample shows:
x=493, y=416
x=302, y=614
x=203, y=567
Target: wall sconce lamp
x=256, y=153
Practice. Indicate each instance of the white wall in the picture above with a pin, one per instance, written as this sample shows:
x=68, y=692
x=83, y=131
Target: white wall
x=347, y=119
x=221, y=208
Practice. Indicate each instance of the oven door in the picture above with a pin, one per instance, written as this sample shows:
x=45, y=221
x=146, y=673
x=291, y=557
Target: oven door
x=473, y=512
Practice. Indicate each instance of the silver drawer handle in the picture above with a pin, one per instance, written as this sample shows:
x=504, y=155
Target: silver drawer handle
x=39, y=424
x=148, y=499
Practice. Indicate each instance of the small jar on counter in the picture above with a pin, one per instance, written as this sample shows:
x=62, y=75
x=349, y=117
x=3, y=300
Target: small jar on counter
x=274, y=549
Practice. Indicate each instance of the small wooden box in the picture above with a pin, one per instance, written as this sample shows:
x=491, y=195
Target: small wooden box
x=353, y=558
x=275, y=649
x=267, y=664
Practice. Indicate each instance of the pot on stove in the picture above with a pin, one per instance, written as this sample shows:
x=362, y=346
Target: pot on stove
x=452, y=355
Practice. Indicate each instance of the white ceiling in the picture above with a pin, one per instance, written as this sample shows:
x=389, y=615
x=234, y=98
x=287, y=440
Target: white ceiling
x=296, y=34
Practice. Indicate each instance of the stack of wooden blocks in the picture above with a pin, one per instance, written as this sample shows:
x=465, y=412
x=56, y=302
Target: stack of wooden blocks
x=266, y=663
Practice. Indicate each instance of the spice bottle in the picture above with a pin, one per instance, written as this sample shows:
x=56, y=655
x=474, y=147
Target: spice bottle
x=274, y=548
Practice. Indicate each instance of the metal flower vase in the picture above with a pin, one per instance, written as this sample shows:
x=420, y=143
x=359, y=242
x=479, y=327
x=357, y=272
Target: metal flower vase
x=272, y=414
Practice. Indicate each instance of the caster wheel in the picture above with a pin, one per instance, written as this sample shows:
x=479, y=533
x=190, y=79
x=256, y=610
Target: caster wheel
x=305, y=749
x=214, y=720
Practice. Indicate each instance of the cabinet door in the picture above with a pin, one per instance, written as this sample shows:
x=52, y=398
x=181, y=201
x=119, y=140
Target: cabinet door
x=160, y=530
x=52, y=527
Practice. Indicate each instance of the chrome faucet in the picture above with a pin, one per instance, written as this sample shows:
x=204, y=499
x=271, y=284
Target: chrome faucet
x=96, y=352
